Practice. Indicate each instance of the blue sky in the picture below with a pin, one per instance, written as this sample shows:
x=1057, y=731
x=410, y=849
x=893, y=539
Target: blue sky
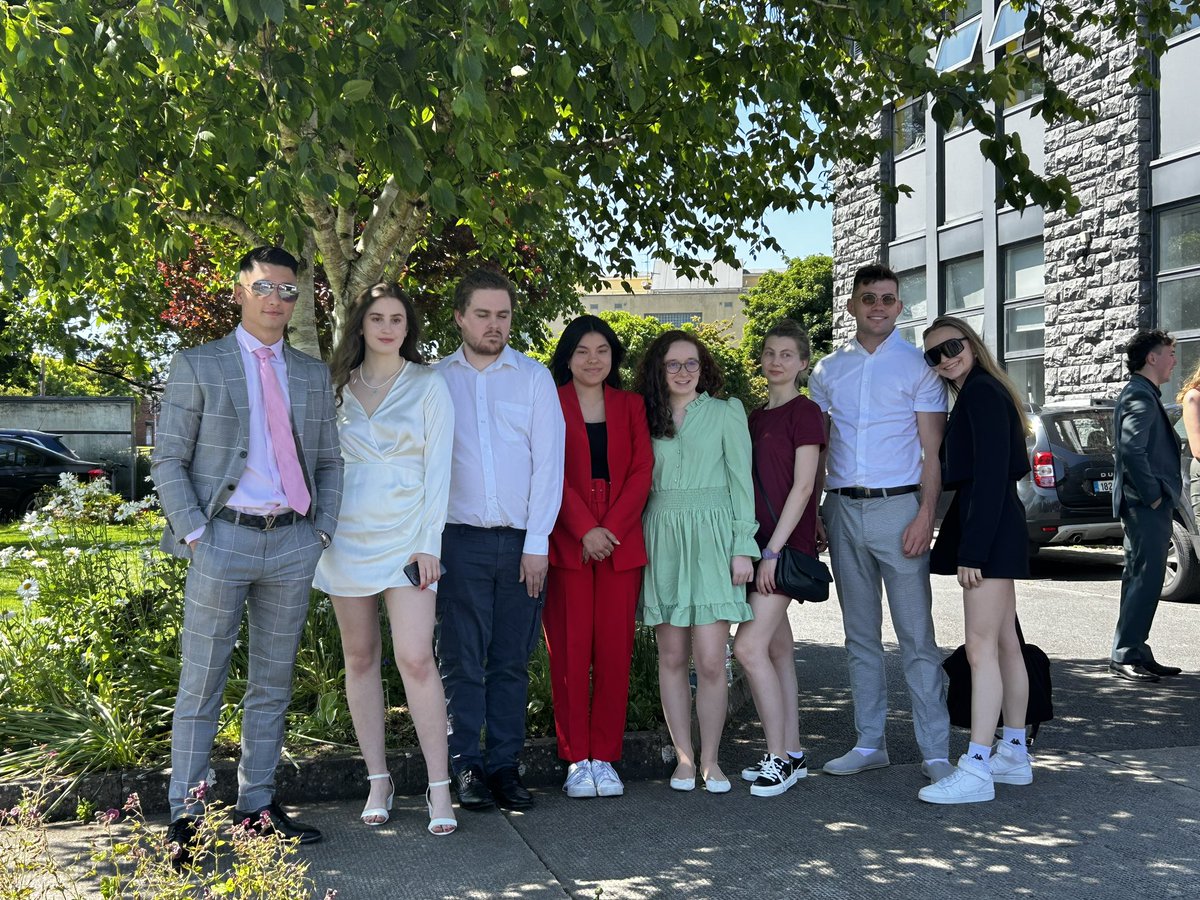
x=800, y=234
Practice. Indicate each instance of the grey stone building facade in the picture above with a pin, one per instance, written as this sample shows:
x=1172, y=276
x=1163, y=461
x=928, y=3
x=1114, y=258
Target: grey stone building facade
x=1055, y=296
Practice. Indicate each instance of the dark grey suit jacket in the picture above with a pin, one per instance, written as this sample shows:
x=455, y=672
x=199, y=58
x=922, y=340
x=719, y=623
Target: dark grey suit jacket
x=203, y=437
x=1147, y=449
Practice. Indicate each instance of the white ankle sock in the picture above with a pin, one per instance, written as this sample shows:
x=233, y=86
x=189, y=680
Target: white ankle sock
x=796, y=754
x=979, y=754
x=1015, y=739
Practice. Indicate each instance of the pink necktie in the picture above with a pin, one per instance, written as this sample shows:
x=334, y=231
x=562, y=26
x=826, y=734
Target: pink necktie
x=279, y=423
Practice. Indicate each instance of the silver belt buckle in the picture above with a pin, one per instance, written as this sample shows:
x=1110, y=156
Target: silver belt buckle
x=269, y=518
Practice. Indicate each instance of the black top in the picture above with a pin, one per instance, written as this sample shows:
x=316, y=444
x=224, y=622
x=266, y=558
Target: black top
x=597, y=433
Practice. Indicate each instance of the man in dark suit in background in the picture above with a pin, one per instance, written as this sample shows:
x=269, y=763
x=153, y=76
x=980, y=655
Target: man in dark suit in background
x=249, y=476
x=1146, y=489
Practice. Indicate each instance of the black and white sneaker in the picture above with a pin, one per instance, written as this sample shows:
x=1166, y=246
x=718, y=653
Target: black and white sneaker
x=799, y=766
x=774, y=777
x=751, y=773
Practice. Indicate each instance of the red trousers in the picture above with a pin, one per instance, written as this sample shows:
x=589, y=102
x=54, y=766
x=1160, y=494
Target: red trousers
x=588, y=621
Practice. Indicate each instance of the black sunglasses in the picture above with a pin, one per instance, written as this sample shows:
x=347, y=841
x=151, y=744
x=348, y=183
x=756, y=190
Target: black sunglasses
x=945, y=350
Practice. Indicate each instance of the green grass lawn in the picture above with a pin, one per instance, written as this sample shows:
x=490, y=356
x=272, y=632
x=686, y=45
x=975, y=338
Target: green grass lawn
x=12, y=536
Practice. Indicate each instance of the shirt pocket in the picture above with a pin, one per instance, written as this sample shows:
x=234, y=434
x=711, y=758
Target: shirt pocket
x=512, y=421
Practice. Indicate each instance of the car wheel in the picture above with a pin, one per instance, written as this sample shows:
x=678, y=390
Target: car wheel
x=29, y=503
x=1182, y=581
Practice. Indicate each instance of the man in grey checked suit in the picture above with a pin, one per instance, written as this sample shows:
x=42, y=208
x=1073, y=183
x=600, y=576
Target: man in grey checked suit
x=1147, y=487
x=253, y=523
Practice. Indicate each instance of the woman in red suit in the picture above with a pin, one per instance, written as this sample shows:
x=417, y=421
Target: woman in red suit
x=596, y=555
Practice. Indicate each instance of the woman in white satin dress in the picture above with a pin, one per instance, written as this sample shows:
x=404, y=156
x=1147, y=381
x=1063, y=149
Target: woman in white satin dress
x=396, y=425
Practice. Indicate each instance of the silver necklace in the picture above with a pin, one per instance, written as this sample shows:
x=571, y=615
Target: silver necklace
x=376, y=388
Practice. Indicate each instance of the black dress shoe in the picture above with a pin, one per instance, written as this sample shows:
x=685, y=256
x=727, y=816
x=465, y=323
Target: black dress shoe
x=472, y=792
x=509, y=792
x=182, y=834
x=1132, y=671
x=1160, y=669
x=272, y=818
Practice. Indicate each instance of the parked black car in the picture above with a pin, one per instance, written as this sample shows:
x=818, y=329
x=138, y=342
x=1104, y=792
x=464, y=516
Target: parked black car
x=28, y=463
x=1068, y=495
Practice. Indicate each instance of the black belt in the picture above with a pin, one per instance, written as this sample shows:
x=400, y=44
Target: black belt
x=262, y=523
x=865, y=493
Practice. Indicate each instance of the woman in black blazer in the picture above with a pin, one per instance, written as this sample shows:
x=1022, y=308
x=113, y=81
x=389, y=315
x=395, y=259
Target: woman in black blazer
x=983, y=541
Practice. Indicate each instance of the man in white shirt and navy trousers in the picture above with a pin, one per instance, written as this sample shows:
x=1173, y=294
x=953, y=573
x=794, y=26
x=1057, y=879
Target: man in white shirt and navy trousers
x=506, y=486
x=887, y=414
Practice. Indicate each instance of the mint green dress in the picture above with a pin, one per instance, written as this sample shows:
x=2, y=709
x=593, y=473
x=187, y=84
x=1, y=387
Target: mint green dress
x=699, y=516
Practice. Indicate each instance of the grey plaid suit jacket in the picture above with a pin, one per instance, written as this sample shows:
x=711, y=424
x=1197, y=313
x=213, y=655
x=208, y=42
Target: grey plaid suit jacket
x=203, y=437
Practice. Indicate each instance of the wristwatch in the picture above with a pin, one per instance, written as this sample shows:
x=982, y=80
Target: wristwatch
x=768, y=553
x=326, y=540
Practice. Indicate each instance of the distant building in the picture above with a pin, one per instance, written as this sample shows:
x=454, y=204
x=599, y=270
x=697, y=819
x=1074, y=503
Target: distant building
x=675, y=300
x=1055, y=296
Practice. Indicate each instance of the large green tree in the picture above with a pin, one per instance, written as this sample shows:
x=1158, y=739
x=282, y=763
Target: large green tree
x=803, y=292
x=606, y=129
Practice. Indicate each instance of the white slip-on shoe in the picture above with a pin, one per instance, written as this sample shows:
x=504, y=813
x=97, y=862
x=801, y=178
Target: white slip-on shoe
x=854, y=762
x=969, y=783
x=580, y=783
x=1010, y=766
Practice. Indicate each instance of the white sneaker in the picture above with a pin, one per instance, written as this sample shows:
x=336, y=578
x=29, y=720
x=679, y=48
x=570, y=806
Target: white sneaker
x=580, y=782
x=608, y=782
x=969, y=783
x=853, y=762
x=1010, y=766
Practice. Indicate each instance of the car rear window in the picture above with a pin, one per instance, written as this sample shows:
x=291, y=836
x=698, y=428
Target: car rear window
x=1085, y=432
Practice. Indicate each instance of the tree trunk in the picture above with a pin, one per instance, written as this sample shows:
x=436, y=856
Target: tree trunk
x=302, y=330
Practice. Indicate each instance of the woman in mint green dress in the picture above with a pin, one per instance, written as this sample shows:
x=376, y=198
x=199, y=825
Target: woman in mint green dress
x=699, y=526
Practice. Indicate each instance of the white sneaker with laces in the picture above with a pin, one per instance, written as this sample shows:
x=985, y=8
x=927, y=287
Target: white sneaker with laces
x=1010, y=766
x=969, y=783
x=580, y=783
x=608, y=782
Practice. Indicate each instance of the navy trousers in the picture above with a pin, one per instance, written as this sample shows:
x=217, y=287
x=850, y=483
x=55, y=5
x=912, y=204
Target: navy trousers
x=1147, y=539
x=488, y=626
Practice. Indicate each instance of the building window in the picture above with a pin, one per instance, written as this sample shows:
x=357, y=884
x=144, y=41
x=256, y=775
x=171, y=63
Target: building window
x=958, y=48
x=1009, y=24
x=1191, y=24
x=1178, y=125
x=676, y=319
x=915, y=313
x=1178, y=282
x=908, y=126
x=1024, y=330
x=962, y=290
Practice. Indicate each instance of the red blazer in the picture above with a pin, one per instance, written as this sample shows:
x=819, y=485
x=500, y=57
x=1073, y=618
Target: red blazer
x=630, y=465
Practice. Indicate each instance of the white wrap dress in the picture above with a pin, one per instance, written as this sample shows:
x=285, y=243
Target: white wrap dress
x=397, y=484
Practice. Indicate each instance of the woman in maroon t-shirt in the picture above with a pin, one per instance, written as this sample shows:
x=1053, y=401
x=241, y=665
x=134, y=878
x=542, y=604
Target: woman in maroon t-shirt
x=788, y=435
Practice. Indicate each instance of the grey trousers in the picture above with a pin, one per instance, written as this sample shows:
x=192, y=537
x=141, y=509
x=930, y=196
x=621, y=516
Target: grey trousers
x=865, y=548
x=235, y=569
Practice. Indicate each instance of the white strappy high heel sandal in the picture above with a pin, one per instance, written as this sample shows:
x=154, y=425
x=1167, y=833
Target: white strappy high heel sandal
x=379, y=813
x=450, y=824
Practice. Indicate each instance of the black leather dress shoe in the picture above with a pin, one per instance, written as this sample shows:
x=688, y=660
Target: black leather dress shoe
x=472, y=792
x=182, y=834
x=272, y=818
x=1160, y=669
x=1132, y=672
x=509, y=792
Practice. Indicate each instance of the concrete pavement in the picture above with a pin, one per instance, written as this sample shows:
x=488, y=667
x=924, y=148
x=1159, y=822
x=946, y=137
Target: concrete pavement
x=1114, y=810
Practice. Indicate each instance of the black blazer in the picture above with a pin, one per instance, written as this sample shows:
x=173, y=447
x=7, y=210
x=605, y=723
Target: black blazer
x=1147, y=448
x=982, y=453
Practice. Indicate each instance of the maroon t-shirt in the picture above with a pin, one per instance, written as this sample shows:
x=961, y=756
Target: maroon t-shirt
x=775, y=435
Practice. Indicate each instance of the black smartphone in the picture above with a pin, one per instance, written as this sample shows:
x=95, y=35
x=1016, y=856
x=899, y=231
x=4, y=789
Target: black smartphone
x=414, y=572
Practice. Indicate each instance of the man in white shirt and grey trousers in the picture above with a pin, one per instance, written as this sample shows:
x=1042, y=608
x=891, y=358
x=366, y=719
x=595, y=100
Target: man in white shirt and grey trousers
x=887, y=413
x=506, y=485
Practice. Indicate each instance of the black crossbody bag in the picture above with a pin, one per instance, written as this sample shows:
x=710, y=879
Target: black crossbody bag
x=797, y=575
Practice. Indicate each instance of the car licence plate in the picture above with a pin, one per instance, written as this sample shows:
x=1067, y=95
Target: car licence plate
x=1102, y=487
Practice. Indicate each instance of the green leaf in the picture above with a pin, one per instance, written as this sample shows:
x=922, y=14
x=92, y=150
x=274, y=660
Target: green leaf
x=356, y=90
x=231, y=11
x=644, y=25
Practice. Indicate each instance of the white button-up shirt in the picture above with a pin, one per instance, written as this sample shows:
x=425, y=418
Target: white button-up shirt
x=509, y=446
x=872, y=400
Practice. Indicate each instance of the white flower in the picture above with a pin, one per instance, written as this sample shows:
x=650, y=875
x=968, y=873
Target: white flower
x=54, y=648
x=67, y=480
x=41, y=531
x=40, y=563
x=72, y=553
x=28, y=591
x=43, y=622
x=6, y=556
x=28, y=553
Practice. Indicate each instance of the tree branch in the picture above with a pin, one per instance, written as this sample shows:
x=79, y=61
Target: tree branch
x=395, y=222
x=220, y=219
